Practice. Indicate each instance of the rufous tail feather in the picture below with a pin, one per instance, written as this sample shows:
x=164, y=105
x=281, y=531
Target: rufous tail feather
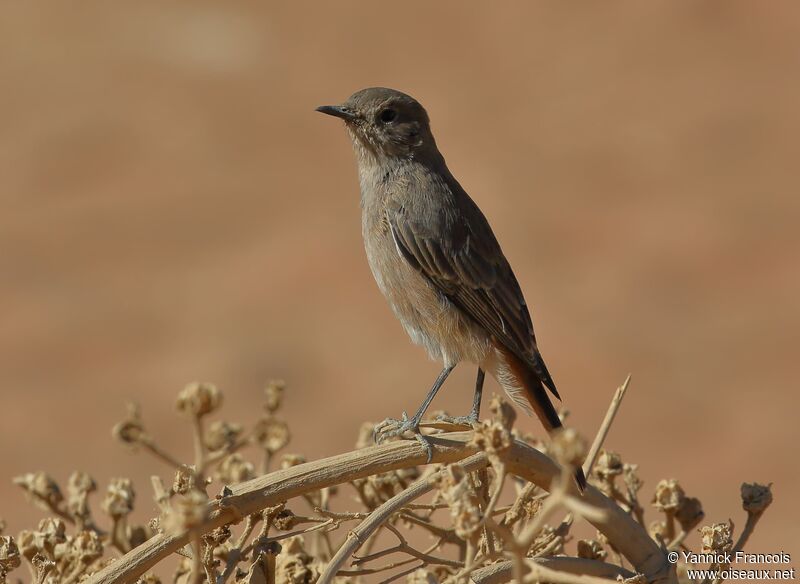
x=529, y=387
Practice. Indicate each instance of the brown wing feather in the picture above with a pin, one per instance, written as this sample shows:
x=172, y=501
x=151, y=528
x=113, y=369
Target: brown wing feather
x=458, y=253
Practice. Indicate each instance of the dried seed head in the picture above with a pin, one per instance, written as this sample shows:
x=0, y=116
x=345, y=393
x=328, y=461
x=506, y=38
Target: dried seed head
x=9, y=554
x=186, y=512
x=294, y=565
x=690, y=513
x=51, y=533
x=154, y=525
x=269, y=514
x=185, y=480
x=289, y=460
x=119, y=498
x=631, y=477
x=234, y=470
x=547, y=543
x=491, y=437
x=285, y=520
x=466, y=516
x=79, y=486
x=717, y=537
x=43, y=489
x=131, y=430
x=453, y=476
x=198, y=399
x=86, y=547
x=668, y=496
x=463, y=501
x=406, y=475
x=80, y=483
x=568, y=447
x=756, y=498
x=379, y=488
x=273, y=395
x=365, y=435
x=221, y=434
x=603, y=539
x=271, y=434
x=422, y=576
x=502, y=412
x=657, y=530
x=527, y=510
x=217, y=536
x=591, y=549
x=608, y=466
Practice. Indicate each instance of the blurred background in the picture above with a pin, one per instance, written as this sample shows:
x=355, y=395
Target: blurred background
x=175, y=210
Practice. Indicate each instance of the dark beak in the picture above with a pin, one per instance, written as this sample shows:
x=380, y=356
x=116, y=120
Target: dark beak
x=338, y=111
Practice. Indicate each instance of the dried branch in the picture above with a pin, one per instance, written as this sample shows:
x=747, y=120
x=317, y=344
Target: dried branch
x=553, y=570
x=360, y=534
x=520, y=459
x=388, y=479
x=235, y=554
x=616, y=401
x=404, y=547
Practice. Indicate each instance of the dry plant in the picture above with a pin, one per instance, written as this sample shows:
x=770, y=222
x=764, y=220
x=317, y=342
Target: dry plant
x=492, y=506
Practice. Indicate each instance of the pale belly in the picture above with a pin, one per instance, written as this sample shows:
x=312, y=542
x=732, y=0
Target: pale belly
x=429, y=318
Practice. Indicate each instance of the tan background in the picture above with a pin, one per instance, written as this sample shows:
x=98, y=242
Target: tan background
x=173, y=209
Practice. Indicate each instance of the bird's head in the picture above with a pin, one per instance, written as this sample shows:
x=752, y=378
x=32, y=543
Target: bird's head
x=385, y=123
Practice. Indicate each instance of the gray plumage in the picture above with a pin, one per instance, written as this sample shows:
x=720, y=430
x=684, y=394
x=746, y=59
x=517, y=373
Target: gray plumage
x=434, y=255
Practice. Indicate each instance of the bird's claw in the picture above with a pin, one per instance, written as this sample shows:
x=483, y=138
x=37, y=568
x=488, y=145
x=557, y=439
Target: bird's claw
x=426, y=444
x=470, y=421
x=391, y=428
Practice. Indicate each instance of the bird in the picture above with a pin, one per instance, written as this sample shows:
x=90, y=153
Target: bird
x=438, y=263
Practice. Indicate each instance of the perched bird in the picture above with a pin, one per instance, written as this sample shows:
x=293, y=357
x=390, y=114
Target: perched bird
x=436, y=260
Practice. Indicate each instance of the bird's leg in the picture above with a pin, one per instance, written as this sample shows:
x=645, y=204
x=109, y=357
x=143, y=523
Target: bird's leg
x=391, y=427
x=472, y=418
x=476, y=401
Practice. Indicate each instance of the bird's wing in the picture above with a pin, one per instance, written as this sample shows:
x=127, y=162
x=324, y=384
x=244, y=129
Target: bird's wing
x=455, y=249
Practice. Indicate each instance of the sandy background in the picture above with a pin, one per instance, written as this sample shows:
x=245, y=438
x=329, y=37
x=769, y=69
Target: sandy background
x=173, y=209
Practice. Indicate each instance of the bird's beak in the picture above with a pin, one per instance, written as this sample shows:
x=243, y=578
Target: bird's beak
x=338, y=111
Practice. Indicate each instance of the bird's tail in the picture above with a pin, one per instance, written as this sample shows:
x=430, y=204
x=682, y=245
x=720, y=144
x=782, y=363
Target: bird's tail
x=529, y=392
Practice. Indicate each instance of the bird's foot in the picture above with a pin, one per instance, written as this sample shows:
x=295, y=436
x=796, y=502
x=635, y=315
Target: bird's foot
x=391, y=428
x=470, y=421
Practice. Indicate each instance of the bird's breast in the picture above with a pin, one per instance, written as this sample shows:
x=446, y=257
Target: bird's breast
x=429, y=318
x=399, y=282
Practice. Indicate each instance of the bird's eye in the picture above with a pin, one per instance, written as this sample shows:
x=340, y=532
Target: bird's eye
x=388, y=115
